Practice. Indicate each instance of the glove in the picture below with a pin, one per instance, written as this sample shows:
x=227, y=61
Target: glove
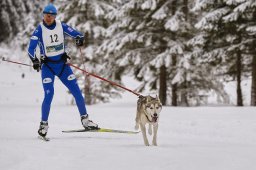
x=36, y=64
x=65, y=57
x=79, y=41
x=43, y=59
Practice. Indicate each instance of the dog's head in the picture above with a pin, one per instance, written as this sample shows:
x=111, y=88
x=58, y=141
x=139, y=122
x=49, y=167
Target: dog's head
x=153, y=107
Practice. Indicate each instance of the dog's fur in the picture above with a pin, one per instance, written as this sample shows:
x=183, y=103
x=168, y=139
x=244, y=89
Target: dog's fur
x=148, y=110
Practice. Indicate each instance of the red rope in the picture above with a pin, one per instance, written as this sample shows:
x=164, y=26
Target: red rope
x=101, y=78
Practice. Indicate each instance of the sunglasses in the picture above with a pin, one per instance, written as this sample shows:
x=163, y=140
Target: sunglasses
x=52, y=15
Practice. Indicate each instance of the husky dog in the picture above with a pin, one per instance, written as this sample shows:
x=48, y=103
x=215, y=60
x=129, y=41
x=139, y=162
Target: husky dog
x=148, y=110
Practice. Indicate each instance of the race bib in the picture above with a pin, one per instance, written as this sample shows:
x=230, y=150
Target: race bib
x=53, y=40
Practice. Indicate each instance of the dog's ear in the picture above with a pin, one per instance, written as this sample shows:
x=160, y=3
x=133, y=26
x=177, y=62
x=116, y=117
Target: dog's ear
x=157, y=97
x=148, y=98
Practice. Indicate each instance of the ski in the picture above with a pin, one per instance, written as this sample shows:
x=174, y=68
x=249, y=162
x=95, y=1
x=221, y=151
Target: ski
x=100, y=130
x=44, y=138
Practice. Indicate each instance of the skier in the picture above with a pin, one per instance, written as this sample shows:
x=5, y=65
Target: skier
x=49, y=36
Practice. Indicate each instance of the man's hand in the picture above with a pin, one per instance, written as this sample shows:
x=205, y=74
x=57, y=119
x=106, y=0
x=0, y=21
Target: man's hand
x=79, y=41
x=43, y=59
x=36, y=64
x=65, y=57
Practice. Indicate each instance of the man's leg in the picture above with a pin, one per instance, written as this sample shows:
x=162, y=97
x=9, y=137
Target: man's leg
x=47, y=81
x=48, y=85
x=69, y=80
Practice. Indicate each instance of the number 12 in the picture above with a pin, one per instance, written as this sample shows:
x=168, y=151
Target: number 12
x=52, y=38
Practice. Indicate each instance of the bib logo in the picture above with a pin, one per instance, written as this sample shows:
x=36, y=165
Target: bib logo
x=71, y=77
x=54, y=48
x=47, y=80
x=70, y=29
x=34, y=38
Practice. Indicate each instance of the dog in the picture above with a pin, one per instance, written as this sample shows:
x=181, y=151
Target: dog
x=148, y=110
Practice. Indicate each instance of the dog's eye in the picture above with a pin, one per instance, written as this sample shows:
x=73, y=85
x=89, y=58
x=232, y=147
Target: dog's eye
x=151, y=108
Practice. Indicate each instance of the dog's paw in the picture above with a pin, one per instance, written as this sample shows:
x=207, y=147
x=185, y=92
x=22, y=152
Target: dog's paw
x=146, y=144
x=154, y=144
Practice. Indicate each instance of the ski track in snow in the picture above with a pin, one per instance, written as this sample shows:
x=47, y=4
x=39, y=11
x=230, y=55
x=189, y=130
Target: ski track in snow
x=195, y=138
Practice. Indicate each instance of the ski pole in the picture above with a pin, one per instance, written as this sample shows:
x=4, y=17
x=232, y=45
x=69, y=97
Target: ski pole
x=83, y=70
x=101, y=78
x=15, y=62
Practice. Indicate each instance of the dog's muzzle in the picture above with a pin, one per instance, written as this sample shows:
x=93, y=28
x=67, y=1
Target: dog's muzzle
x=154, y=117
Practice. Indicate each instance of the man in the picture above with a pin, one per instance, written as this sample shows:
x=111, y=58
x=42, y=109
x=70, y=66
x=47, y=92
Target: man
x=49, y=36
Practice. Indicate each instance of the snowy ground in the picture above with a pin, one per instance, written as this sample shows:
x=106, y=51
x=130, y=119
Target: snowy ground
x=198, y=138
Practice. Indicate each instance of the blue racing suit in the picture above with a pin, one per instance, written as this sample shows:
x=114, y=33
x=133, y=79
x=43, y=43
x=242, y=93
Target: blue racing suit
x=50, y=40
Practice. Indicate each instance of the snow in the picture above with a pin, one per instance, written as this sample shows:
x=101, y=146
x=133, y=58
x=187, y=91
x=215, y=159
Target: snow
x=231, y=17
x=172, y=24
x=98, y=10
x=149, y=4
x=159, y=14
x=234, y=2
x=242, y=7
x=204, y=23
x=251, y=29
x=194, y=138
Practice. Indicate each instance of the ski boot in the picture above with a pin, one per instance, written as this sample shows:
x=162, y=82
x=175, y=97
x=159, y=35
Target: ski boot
x=43, y=128
x=88, y=124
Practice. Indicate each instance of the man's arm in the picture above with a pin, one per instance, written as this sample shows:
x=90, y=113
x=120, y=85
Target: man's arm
x=33, y=43
x=71, y=32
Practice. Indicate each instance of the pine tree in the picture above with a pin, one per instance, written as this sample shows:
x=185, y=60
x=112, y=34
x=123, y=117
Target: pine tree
x=224, y=38
x=17, y=21
x=150, y=38
x=245, y=12
x=11, y=17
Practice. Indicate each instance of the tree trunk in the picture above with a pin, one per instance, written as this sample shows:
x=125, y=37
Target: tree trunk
x=174, y=63
x=174, y=86
x=163, y=85
x=253, y=87
x=87, y=83
x=185, y=9
x=184, y=93
x=238, y=74
x=87, y=94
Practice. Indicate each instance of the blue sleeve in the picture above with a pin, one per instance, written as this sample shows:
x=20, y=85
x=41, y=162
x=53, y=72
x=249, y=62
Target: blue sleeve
x=34, y=42
x=71, y=31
